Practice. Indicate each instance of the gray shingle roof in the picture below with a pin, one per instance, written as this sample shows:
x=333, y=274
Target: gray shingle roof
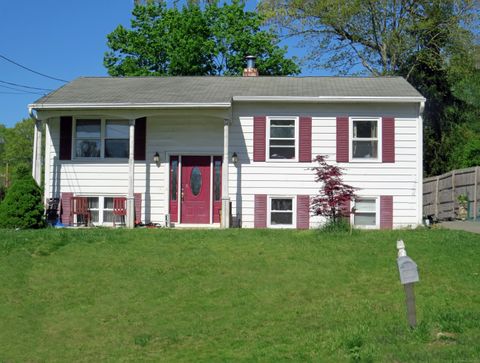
x=146, y=90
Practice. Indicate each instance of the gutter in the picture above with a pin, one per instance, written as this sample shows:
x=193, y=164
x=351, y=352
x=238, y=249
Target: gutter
x=328, y=99
x=223, y=105
x=123, y=106
x=37, y=148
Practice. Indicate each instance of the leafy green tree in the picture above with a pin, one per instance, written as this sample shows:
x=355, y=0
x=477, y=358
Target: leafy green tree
x=379, y=37
x=194, y=40
x=18, y=146
x=420, y=40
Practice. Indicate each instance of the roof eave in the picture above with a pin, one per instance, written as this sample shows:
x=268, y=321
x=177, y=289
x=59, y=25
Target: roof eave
x=327, y=99
x=123, y=106
x=224, y=105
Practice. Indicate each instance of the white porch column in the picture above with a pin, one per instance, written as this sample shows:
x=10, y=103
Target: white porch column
x=130, y=222
x=37, y=152
x=225, y=223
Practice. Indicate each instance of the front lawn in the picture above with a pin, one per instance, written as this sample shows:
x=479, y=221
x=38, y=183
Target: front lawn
x=236, y=295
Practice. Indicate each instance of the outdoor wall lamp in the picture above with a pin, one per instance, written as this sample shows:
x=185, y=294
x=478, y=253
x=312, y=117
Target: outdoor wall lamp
x=156, y=159
x=235, y=158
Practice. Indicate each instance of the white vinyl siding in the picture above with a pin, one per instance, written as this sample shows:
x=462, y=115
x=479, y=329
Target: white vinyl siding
x=200, y=133
x=373, y=178
x=109, y=177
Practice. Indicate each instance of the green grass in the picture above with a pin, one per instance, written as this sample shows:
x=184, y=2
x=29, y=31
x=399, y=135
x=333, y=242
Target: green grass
x=235, y=295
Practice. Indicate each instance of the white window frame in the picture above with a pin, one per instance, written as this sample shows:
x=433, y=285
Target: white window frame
x=101, y=207
x=103, y=128
x=377, y=213
x=294, y=211
x=267, y=150
x=378, y=159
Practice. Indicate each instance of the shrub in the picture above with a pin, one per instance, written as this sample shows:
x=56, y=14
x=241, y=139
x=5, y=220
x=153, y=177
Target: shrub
x=22, y=206
x=333, y=193
x=339, y=225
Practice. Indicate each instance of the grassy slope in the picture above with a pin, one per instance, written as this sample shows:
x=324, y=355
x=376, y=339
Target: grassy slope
x=110, y=295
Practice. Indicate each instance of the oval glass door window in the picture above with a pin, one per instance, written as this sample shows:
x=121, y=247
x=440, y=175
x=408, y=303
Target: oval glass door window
x=196, y=180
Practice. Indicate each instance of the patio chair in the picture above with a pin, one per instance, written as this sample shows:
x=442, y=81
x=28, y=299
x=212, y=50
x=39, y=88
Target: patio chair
x=79, y=208
x=119, y=209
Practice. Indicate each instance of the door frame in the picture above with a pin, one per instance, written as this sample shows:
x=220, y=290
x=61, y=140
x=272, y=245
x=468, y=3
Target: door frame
x=168, y=154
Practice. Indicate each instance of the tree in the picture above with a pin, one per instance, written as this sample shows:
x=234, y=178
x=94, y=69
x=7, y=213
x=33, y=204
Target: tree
x=212, y=40
x=379, y=36
x=418, y=39
x=334, y=193
x=18, y=146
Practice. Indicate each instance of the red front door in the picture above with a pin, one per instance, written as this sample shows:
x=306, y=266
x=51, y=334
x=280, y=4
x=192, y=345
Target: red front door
x=195, y=189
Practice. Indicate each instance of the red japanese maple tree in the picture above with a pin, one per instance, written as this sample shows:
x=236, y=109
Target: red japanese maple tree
x=334, y=193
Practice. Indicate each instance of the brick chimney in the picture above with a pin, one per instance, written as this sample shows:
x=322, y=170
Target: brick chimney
x=250, y=71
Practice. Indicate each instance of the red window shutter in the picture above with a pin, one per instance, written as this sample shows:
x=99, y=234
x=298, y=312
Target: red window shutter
x=342, y=139
x=386, y=212
x=140, y=138
x=303, y=212
x=66, y=137
x=388, y=140
x=65, y=208
x=260, y=218
x=259, y=137
x=138, y=207
x=305, y=142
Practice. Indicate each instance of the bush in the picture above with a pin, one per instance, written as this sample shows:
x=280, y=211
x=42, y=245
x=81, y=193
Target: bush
x=340, y=225
x=22, y=206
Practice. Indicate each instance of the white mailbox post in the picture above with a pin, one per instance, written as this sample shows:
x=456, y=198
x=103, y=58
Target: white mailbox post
x=408, y=271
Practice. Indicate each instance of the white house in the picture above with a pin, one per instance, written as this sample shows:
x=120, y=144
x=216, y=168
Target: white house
x=185, y=149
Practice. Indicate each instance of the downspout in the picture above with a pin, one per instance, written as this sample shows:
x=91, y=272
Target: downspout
x=225, y=217
x=420, y=164
x=37, y=148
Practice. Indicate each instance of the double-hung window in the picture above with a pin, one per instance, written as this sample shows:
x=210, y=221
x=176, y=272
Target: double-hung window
x=365, y=139
x=366, y=212
x=282, y=139
x=88, y=138
x=116, y=139
x=99, y=138
x=281, y=212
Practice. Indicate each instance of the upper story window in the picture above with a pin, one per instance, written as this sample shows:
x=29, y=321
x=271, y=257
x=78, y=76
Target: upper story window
x=88, y=138
x=365, y=140
x=116, y=139
x=96, y=138
x=282, y=139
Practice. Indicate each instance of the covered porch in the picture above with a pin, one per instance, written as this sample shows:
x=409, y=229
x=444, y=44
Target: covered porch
x=171, y=164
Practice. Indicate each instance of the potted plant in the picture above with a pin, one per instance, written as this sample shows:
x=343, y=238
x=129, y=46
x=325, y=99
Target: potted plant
x=462, y=200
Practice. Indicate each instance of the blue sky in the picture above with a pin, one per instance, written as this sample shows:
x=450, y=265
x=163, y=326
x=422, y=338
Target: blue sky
x=63, y=39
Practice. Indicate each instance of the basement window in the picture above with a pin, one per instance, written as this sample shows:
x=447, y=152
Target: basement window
x=281, y=212
x=365, y=212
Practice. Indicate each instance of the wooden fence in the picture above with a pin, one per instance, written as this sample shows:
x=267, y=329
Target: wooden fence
x=440, y=193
